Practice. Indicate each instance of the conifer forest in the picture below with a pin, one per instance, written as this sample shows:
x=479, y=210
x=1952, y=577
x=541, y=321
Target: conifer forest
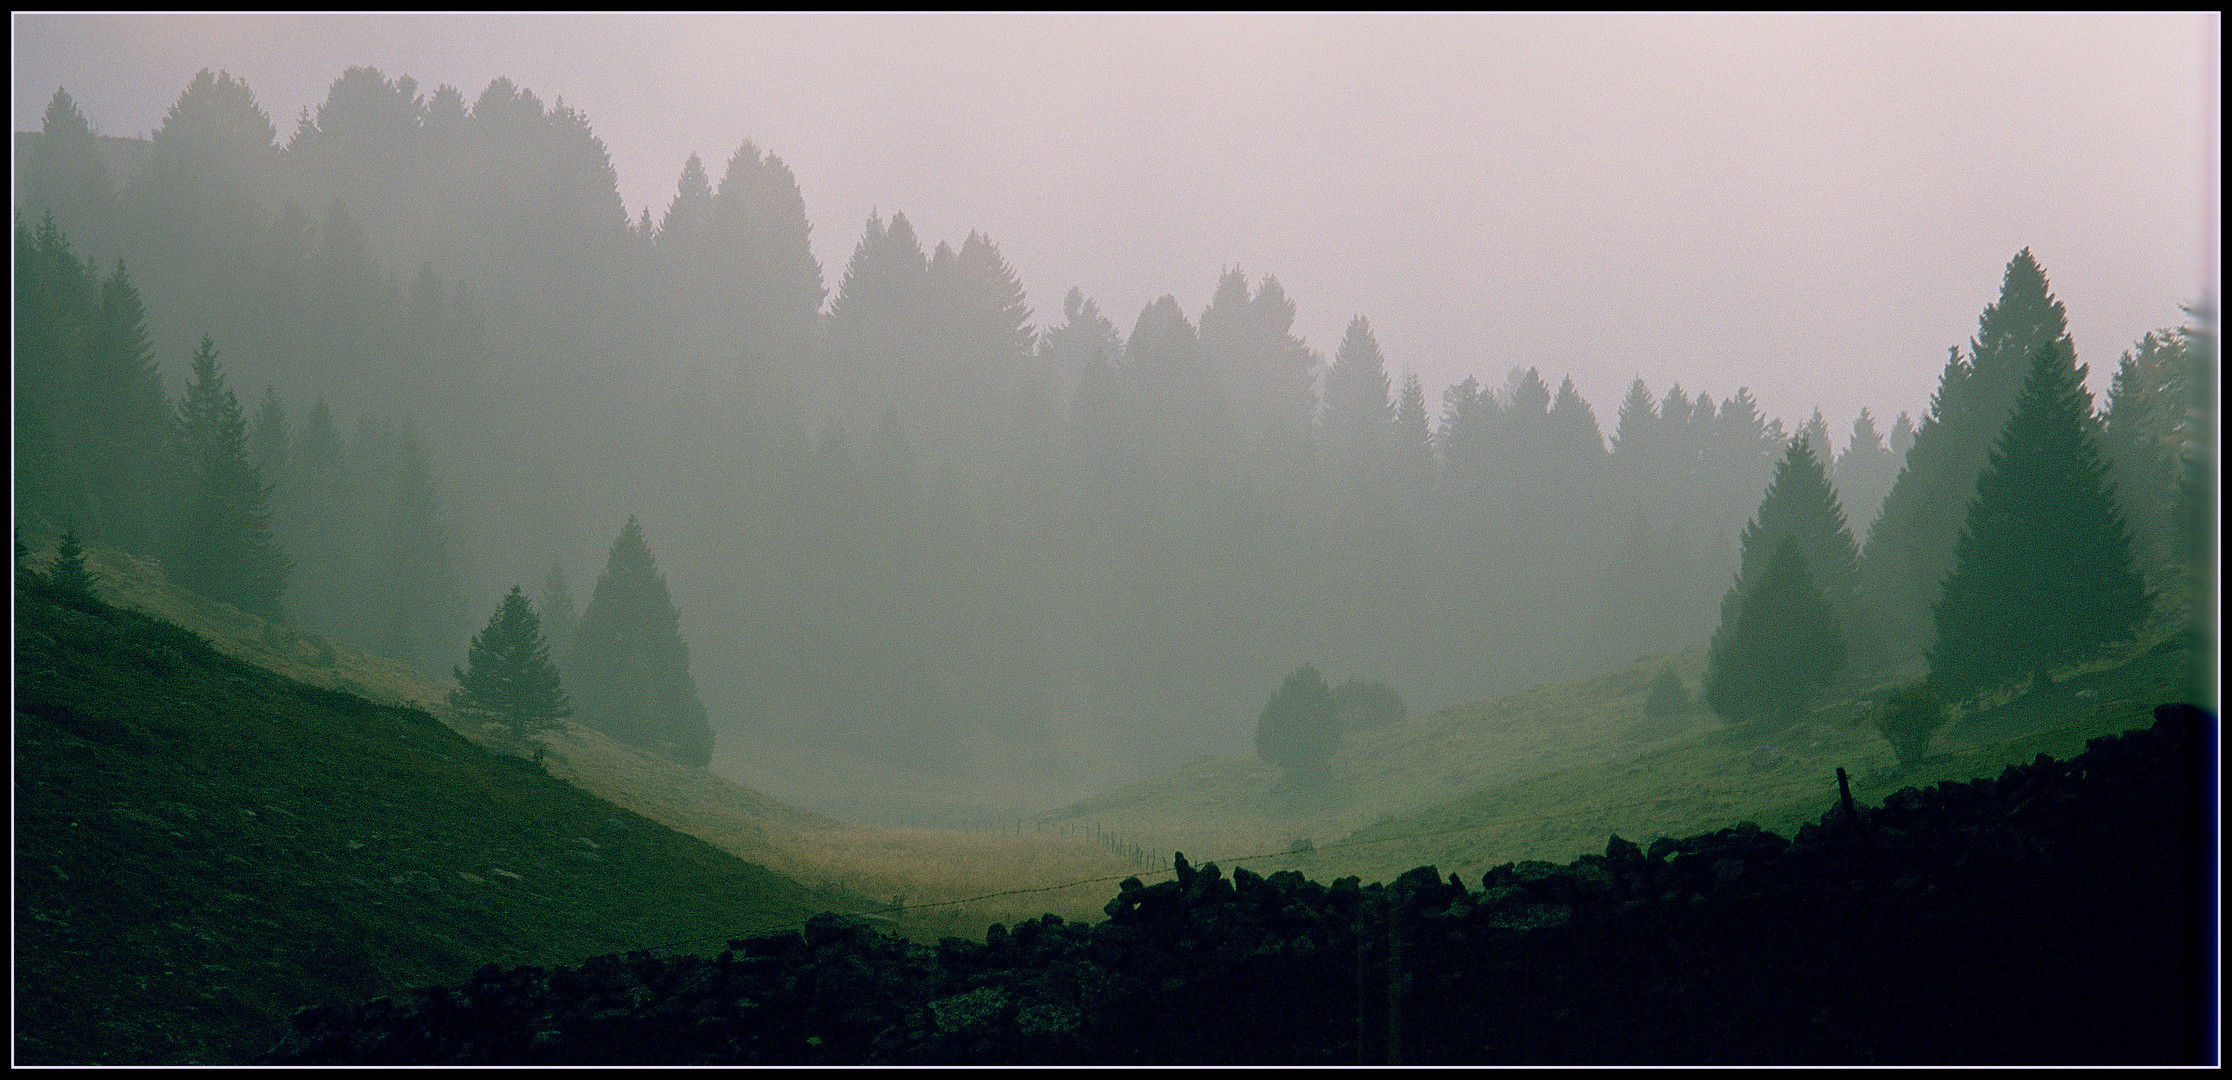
x=368, y=373
x=509, y=491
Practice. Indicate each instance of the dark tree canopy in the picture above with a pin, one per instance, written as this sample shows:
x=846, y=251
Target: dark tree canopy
x=93, y=423
x=1907, y=718
x=508, y=678
x=1300, y=728
x=1368, y=703
x=631, y=669
x=1782, y=648
x=2043, y=573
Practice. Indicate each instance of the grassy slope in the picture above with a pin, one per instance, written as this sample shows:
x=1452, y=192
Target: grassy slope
x=847, y=864
x=203, y=847
x=1224, y=806
x=1544, y=774
x=1551, y=773
x=1780, y=783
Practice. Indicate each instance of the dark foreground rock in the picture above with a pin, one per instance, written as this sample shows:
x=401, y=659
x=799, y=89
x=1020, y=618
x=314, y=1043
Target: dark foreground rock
x=2060, y=914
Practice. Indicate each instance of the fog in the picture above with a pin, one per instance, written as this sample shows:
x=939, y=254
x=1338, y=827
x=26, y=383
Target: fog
x=1011, y=401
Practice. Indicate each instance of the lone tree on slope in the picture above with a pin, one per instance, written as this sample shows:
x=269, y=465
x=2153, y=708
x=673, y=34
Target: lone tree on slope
x=631, y=668
x=509, y=678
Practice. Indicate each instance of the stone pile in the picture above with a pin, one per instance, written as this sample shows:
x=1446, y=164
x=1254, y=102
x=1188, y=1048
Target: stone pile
x=2059, y=914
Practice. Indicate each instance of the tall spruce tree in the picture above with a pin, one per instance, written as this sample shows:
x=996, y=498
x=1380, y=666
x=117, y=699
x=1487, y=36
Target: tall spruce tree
x=631, y=669
x=876, y=333
x=1902, y=435
x=1780, y=650
x=979, y=340
x=62, y=173
x=1910, y=548
x=1740, y=453
x=2043, y=573
x=224, y=547
x=1816, y=432
x=1414, y=441
x=1636, y=440
x=1800, y=504
x=1864, y=472
x=1179, y=416
x=1574, y=432
x=1084, y=334
x=684, y=226
x=759, y=212
x=1359, y=414
x=508, y=678
x=270, y=441
x=2144, y=441
x=130, y=475
x=317, y=519
x=1268, y=373
x=54, y=304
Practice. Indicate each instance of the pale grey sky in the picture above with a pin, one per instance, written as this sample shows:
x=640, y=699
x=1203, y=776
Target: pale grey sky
x=1814, y=206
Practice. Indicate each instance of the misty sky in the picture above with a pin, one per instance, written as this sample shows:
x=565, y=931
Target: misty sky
x=1811, y=206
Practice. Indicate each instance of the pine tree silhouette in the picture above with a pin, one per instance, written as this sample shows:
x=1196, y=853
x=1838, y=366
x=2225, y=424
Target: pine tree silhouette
x=1801, y=504
x=1911, y=545
x=224, y=548
x=1300, y=728
x=1782, y=648
x=2043, y=573
x=631, y=669
x=508, y=677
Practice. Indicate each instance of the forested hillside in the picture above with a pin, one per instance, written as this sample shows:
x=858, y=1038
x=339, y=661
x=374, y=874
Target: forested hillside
x=903, y=512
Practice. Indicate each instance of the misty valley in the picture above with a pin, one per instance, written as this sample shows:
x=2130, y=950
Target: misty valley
x=428, y=575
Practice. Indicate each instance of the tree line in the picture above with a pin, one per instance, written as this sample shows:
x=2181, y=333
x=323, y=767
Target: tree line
x=921, y=525
x=2017, y=488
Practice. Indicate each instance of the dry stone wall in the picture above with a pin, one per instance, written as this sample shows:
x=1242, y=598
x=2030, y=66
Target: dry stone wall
x=2059, y=914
